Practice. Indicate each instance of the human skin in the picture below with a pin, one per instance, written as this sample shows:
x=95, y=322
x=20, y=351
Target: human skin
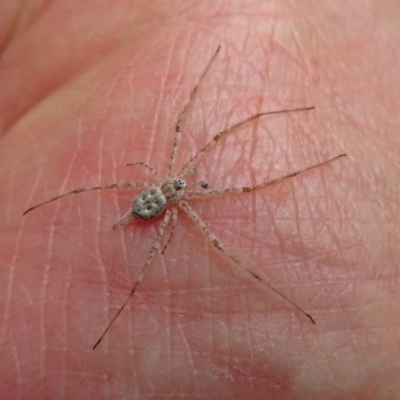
x=88, y=87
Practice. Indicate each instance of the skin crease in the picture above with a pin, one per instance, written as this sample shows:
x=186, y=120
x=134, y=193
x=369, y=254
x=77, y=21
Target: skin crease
x=88, y=87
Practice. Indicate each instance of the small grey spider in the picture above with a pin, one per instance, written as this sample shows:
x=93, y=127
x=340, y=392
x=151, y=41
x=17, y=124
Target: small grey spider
x=174, y=192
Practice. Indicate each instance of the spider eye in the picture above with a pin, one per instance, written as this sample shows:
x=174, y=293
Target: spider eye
x=179, y=184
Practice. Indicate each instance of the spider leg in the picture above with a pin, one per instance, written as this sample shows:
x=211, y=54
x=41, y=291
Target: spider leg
x=245, y=189
x=147, y=166
x=125, y=219
x=203, y=184
x=219, y=246
x=154, y=248
x=186, y=170
x=178, y=135
x=173, y=226
x=123, y=185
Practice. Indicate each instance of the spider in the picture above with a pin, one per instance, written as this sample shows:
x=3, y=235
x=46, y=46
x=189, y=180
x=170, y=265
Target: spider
x=175, y=192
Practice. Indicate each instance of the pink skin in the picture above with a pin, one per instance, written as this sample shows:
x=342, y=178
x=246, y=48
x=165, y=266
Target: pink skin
x=87, y=87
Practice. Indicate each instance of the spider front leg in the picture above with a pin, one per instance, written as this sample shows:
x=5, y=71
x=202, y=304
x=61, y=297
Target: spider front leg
x=245, y=189
x=178, y=135
x=188, y=167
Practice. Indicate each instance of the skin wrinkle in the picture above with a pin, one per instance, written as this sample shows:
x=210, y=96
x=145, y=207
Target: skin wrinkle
x=38, y=176
x=189, y=354
x=332, y=236
x=65, y=327
x=30, y=14
x=160, y=100
x=42, y=353
x=10, y=198
x=45, y=281
x=131, y=97
x=8, y=37
x=10, y=285
x=299, y=235
x=300, y=54
x=315, y=234
x=250, y=339
x=79, y=132
x=18, y=366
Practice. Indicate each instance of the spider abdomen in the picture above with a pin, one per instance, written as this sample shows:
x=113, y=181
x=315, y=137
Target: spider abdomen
x=149, y=204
